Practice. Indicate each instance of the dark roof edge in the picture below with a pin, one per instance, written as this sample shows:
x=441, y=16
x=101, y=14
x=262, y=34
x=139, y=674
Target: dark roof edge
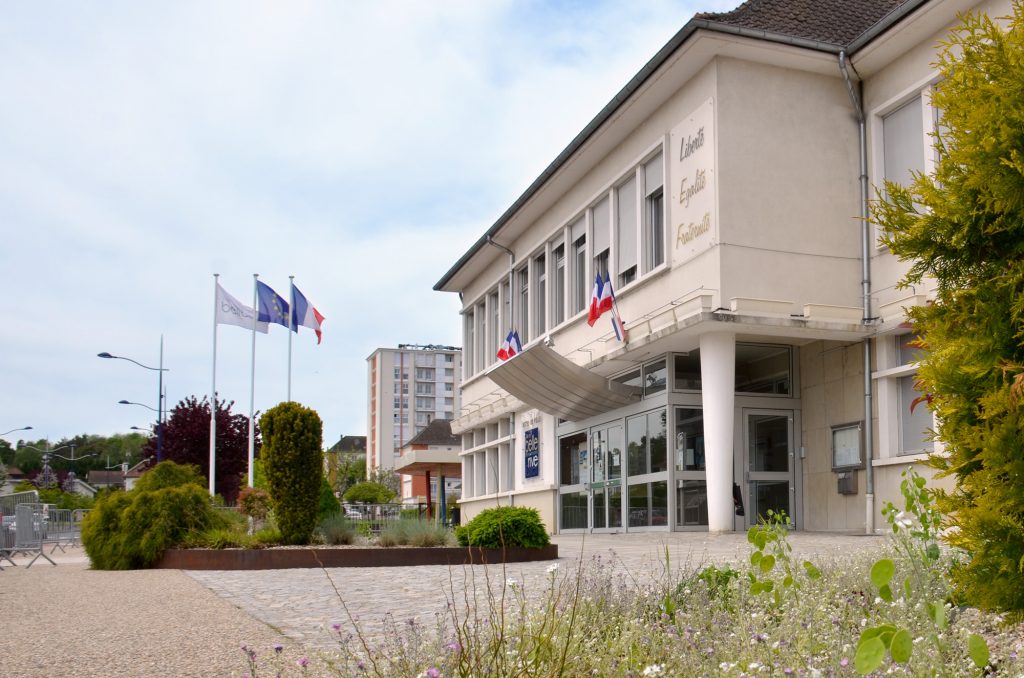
x=884, y=24
x=691, y=27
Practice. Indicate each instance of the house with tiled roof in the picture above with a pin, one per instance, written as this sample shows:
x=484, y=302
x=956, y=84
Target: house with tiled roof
x=429, y=461
x=748, y=348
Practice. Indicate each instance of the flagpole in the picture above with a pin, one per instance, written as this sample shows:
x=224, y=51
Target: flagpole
x=213, y=391
x=291, y=328
x=252, y=380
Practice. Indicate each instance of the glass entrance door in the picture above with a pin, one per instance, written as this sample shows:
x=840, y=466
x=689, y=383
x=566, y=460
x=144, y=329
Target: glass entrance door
x=606, y=478
x=768, y=463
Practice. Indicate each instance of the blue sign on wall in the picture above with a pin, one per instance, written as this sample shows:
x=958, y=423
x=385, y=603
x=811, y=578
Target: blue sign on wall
x=531, y=450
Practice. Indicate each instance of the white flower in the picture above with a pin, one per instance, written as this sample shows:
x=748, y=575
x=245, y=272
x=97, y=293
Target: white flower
x=654, y=670
x=863, y=622
x=753, y=666
x=511, y=583
x=552, y=568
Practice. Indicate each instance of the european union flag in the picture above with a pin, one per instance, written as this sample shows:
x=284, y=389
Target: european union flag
x=271, y=306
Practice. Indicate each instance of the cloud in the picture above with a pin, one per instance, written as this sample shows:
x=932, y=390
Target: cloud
x=361, y=147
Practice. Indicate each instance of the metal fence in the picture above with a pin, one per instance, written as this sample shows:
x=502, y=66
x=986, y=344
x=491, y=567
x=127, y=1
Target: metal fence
x=9, y=501
x=33, y=526
x=378, y=516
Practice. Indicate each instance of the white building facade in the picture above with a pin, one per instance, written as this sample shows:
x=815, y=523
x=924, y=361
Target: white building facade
x=767, y=363
x=408, y=387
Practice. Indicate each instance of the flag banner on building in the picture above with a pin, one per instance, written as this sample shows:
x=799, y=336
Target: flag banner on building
x=511, y=346
x=231, y=311
x=304, y=315
x=272, y=308
x=618, y=326
x=601, y=300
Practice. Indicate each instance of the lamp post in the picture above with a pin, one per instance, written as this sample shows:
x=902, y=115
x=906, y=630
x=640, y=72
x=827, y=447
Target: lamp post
x=23, y=428
x=47, y=473
x=159, y=395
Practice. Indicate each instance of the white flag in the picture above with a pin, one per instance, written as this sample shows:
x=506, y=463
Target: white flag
x=231, y=311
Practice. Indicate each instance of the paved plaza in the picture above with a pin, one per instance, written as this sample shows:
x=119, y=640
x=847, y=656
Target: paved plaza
x=69, y=620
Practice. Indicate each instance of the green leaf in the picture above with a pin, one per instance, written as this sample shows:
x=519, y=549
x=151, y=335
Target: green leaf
x=752, y=535
x=885, y=593
x=756, y=588
x=870, y=655
x=933, y=551
x=767, y=563
x=978, y=649
x=901, y=647
x=812, y=571
x=755, y=558
x=906, y=587
x=937, y=613
x=760, y=539
x=919, y=481
x=788, y=581
x=768, y=585
x=882, y=571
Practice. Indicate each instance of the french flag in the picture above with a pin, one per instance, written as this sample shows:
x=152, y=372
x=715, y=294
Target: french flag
x=511, y=346
x=304, y=315
x=601, y=300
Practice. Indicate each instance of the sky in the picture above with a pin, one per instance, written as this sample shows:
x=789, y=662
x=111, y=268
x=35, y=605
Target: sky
x=361, y=147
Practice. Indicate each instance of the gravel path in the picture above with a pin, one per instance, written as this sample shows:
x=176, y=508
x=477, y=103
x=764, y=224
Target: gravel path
x=75, y=622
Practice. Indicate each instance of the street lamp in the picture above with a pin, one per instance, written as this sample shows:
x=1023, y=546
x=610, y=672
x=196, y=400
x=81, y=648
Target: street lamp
x=129, y=402
x=46, y=474
x=23, y=428
x=159, y=395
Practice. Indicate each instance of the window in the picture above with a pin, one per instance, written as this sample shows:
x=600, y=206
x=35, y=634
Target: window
x=540, y=294
x=496, y=335
x=481, y=336
x=915, y=419
x=558, y=285
x=424, y=373
x=523, y=312
x=448, y=388
x=903, y=142
x=449, y=373
x=579, y=272
x=763, y=368
x=687, y=374
x=425, y=389
x=405, y=388
x=448, y=357
x=602, y=236
x=626, y=240
x=645, y=444
x=424, y=403
x=469, y=329
x=654, y=214
x=654, y=378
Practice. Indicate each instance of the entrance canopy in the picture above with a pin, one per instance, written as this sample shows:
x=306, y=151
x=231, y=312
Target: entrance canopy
x=542, y=378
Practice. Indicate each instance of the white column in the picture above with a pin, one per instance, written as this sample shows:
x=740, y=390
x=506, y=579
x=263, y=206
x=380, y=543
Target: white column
x=718, y=386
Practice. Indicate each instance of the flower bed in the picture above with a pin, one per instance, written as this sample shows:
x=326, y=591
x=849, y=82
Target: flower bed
x=295, y=557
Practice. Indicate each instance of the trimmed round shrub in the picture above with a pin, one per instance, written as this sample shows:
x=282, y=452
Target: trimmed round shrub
x=369, y=493
x=293, y=464
x=504, y=526
x=131, y=530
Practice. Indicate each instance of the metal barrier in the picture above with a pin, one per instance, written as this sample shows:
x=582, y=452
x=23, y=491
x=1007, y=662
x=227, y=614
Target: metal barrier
x=9, y=501
x=63, y=528
x=30, y=531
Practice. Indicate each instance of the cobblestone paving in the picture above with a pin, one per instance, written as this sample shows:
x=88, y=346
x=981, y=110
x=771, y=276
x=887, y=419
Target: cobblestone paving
x=304, y=603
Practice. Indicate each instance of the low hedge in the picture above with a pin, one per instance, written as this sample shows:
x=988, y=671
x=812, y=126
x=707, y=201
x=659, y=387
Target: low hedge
x=504, y=527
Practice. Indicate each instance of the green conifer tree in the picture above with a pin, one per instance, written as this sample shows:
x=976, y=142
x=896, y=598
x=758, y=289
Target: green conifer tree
x=964, y=229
